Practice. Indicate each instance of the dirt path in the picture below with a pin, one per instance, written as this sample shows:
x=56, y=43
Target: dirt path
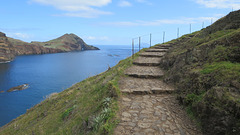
x=147, y=105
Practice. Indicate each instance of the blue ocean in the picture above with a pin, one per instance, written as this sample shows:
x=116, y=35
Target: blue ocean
x=50, y=73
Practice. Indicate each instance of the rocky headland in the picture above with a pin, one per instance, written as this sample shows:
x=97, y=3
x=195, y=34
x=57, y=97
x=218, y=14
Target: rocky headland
x=135, y=97
x=10, y=48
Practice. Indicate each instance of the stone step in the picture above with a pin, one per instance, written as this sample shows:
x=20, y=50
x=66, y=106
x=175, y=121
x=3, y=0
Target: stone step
x=147, y=61
x=144, y=72
x=162, y=90
x=160, y=47
x=156, y=50
x=164, y=45
x=136, y=91
x=152, y=54
x=148, y=91
x=133, y=85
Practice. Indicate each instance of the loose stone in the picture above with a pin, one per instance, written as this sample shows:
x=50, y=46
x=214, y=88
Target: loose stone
x=144, y=125
x=125, y=114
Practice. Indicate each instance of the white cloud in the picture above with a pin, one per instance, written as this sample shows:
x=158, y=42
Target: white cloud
x=91, y=38
x=235, y=4
x=124, y=3
x=141, y=1
x=19, y=35
x=86, y=14
x=74, y=5
x=103, y=38
x=144, y=1
x=78, y=8
x=162, y=21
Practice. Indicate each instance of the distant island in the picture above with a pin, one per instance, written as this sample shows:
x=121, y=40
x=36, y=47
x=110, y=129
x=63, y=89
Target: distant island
x=10, y=48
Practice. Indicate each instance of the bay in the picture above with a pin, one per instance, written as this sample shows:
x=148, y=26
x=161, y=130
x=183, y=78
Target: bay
x=50, y=73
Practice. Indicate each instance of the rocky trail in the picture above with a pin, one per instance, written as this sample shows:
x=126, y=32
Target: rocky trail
x=148, y=106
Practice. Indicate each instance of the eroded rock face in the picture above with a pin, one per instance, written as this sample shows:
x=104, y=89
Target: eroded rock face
x=28, y=49
x=9, y=47
x=6, y=49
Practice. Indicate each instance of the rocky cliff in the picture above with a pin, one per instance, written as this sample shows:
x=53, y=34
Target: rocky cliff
x=6, y=49
x=205, y=67
x=24, y=48
x=9, y=47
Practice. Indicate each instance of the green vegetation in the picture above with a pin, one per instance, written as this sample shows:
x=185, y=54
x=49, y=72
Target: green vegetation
x=192, y=99
x=67, y=42
x=67, y=112
x=16, y=41
x=223, y=67
x=205, y=67
x=88, y=107
x=222, y=72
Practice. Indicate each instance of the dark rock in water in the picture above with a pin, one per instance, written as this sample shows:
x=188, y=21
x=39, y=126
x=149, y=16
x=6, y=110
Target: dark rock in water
x=20, y=87
x=2, y=91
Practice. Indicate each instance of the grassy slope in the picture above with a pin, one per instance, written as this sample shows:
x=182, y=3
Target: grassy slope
x=61, y=42
x=17, y=42
x=55, y=45
x=64, y=43
x=88, y=107
x=205, y=66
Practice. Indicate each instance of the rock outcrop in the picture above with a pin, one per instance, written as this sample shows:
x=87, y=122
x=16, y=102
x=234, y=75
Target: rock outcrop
x=9, y=47
x=18, y=88
x=6, y=49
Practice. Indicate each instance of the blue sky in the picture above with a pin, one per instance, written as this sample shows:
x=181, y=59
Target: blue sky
x=109, y=22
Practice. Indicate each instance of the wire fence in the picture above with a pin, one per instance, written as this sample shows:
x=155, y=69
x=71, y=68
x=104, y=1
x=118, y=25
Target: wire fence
x=148, y=40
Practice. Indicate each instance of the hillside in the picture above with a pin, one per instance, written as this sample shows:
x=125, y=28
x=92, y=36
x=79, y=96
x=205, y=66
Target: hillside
x=13, y=47
x=24, y=48
x=6, y=49
x=205, y=67
x=67, y=42
x=88, y=107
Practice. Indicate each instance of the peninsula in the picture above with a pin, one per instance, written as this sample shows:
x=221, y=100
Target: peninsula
x=9, y=47
x=189, y=85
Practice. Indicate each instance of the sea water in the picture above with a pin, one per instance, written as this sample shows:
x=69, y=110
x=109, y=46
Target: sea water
x=51, y=73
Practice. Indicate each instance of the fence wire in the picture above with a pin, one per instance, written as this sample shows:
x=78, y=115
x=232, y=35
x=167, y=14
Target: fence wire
x=148, y=40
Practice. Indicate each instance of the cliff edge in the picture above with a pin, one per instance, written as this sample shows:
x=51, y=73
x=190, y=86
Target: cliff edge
x=6, y=49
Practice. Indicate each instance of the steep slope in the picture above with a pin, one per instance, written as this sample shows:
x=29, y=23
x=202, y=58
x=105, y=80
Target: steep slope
x=6, y=49
x=24, y=48
x=88, y=107
x=205, y=67
x=67, y=42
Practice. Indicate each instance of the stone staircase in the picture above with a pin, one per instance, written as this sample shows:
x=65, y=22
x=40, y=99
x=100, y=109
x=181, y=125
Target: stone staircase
x=148, y=106
x=147, y=68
